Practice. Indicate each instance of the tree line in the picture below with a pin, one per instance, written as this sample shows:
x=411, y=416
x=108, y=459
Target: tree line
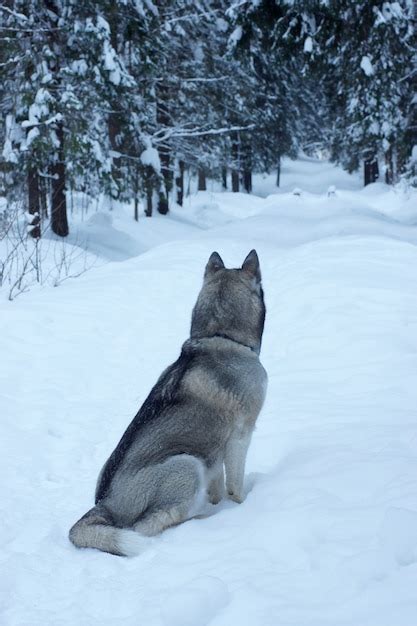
x=121, y=97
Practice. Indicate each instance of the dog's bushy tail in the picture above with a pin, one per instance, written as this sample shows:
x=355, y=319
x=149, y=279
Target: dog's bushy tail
x=96, y=530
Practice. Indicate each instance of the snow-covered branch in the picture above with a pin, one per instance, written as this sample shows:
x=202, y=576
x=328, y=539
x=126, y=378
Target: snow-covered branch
x=164, y=134
x=19, y=16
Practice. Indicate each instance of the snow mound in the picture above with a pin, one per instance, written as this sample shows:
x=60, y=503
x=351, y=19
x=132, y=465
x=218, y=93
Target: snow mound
x=327, y=533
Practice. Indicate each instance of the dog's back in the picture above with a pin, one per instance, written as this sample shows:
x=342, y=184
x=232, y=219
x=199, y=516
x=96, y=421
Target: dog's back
x=199, y=416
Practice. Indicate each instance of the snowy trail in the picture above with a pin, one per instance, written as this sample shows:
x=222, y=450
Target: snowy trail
x=327, y=535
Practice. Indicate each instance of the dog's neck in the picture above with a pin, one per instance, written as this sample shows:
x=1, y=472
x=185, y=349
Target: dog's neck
x=223, y=336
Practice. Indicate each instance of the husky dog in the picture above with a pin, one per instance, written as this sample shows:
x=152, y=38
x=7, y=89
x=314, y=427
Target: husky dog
x=198, y=418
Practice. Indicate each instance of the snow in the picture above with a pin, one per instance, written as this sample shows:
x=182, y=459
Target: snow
x=31, y=136
x=110, y=63
x=392, y=10
x=150, y=157
x=327, y=534
x=308, y=45
x=235, y=36
x=38, y=109
x=366, y=66
x=11, y=129
x=80, y=67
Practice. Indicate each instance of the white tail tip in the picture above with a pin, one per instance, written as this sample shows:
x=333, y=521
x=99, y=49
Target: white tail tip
x=130, y=543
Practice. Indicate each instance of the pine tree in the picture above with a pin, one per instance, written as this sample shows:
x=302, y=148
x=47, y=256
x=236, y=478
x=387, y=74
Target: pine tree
x=36, y=111
x=370, y=59
x=286, y=110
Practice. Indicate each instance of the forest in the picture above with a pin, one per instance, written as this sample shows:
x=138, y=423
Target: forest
x=122, y=97
x=208, y=183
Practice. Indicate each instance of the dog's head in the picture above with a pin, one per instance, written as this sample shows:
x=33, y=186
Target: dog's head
x=231, y=302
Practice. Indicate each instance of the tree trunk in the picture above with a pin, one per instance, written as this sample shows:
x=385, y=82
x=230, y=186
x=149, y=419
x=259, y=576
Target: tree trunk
x=235, y=160
x=167, y=172
x=113, y=125
x=136, y=208
x=149, y=175
x=278, y=180
x=202, y=184
x=166, y=183
x=136, y=200
x=188, y=192
x=179, y=182
x=375, y=170
x=163, y=121
x=247, y=180
x=370, y=171
x=59, y=220
x=389, y=167
x=246, y=162
x=34, y=201
x=224, y=178
x=400, y=159
x=235, y=181
x=163, y=206
x=44, y=189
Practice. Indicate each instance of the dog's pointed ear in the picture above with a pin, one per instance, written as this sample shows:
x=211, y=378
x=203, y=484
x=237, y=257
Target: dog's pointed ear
x=251, y=265
x=214, y=264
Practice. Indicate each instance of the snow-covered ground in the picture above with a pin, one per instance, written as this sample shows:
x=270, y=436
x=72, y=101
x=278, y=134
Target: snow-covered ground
x=327, y=535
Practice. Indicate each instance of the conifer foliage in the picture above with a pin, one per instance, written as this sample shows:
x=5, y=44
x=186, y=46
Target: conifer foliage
x=371, y=63
x=361, y=58
x=122, y=97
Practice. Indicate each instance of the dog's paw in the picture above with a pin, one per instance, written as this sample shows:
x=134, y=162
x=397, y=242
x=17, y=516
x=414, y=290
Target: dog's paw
x=214, y=498
x=235, y=497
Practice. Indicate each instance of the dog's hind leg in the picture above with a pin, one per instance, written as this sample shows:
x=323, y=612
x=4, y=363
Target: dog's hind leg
x=180, y=494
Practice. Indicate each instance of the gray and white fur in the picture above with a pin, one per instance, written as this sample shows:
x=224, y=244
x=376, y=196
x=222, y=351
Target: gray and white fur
x=196, y=422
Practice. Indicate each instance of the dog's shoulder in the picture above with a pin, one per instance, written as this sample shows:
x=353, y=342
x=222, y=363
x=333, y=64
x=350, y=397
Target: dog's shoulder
x=225, y=375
